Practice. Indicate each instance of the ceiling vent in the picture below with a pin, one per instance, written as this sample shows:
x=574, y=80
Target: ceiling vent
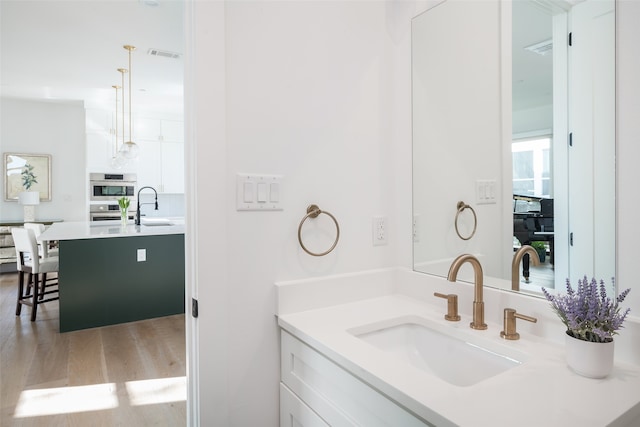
x=542, y=48
x=163, y=53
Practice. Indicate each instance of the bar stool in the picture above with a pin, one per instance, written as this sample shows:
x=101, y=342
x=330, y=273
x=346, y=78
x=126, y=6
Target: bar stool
x=43, y=248
x=28, y=261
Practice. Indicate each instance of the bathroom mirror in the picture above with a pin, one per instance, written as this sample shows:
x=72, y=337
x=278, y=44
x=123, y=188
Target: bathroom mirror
x=520, y=127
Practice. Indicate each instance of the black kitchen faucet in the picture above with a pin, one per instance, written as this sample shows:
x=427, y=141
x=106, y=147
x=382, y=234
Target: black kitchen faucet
x=138, y=206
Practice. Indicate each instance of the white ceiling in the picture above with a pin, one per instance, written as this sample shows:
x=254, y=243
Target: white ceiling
x=69, y=50
x=532, y=73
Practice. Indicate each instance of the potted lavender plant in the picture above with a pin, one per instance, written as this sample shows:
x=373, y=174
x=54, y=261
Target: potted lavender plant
x=592, y=319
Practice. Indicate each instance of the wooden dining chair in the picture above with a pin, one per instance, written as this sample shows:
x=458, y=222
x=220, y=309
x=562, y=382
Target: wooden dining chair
x=38, y=289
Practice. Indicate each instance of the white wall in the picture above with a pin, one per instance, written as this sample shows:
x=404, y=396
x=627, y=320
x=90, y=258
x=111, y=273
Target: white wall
x=318, y=92
x=532, y=119
x=48, y=128
x=309, y=95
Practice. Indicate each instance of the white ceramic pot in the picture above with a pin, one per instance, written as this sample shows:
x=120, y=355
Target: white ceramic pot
x=589, y=359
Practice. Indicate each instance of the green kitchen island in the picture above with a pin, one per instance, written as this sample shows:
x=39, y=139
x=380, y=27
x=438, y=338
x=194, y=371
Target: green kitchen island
x=111, y=273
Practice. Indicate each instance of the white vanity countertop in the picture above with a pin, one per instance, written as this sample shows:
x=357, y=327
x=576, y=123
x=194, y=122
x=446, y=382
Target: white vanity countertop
x=105, y=229
x=543, y=391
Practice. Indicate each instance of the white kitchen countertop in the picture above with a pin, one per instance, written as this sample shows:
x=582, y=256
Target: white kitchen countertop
x=542, y=391
x=74, y=230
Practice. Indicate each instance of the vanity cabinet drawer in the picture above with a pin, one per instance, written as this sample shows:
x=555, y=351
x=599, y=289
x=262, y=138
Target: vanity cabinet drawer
x=338, y=397
x=295, y=413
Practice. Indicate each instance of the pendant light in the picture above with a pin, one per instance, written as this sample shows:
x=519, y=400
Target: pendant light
x=129, y=149
x=119, y=160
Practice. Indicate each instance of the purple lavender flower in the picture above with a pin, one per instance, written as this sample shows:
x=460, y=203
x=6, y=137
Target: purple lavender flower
x=587, y=312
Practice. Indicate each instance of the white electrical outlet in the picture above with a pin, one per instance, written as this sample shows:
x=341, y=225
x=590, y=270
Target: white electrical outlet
x=416, y=228
x=142, y=255
x=379, y=230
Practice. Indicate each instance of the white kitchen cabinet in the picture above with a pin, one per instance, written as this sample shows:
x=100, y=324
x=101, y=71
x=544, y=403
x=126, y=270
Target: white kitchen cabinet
x=172, y=130
x=161, y=160
x=161, y=166
x=172, y=167
x=160, y=163
x=146, y=129
x=335, y=395
x=100, y=151
x=149, y=161
x=150, y=129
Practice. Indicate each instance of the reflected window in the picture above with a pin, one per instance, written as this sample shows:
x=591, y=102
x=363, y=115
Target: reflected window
x=531, y=167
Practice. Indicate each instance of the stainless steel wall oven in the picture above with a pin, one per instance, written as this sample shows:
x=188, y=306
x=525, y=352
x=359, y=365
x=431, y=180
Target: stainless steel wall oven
x=108, y=212
x=109, y=186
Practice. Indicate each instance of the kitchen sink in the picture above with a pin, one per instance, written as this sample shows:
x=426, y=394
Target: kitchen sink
x=155, y=221
x=453, y=355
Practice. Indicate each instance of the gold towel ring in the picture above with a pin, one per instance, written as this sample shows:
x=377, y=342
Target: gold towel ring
x=312, y=212
x=461, y=207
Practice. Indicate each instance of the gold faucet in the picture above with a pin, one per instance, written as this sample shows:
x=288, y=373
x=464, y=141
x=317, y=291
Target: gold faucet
x=515, y=264
x=452, y=306
x=509, y=324
x=478, y=303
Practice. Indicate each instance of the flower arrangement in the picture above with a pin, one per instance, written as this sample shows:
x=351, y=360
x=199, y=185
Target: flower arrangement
x=587, y=312
x=124, y=202
x=28, y=177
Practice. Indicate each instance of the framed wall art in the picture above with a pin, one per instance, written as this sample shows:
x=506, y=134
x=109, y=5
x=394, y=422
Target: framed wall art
x=18, y=164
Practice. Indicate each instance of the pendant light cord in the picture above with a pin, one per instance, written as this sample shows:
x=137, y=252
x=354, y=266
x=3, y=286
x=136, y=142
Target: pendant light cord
x=116, y=87
x=130, y=49
x=130, y=133
x=122, y=71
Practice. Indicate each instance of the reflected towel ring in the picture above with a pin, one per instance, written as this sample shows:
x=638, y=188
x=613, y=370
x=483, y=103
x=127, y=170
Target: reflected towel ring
x=312, y=212
x=461, y=207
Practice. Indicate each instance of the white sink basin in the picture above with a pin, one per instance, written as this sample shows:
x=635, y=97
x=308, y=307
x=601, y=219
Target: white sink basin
x=155, y=221
x=453, y=356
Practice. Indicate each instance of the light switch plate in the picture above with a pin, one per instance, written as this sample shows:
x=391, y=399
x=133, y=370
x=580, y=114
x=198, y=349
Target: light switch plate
x=142, y=255
x=486, y=191
x=258, y=192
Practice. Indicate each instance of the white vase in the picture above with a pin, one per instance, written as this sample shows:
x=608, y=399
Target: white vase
x=29, y=200
x=589, y=359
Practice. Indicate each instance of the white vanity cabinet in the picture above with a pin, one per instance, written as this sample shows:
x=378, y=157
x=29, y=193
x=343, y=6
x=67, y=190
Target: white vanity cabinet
x=314, y=391
x=295, y=413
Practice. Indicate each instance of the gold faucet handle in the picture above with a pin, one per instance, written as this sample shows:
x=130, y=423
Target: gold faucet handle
x=452, y=306
x=510, y=316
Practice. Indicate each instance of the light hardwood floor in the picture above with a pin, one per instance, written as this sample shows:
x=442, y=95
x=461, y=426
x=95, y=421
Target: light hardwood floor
x=123, y=375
